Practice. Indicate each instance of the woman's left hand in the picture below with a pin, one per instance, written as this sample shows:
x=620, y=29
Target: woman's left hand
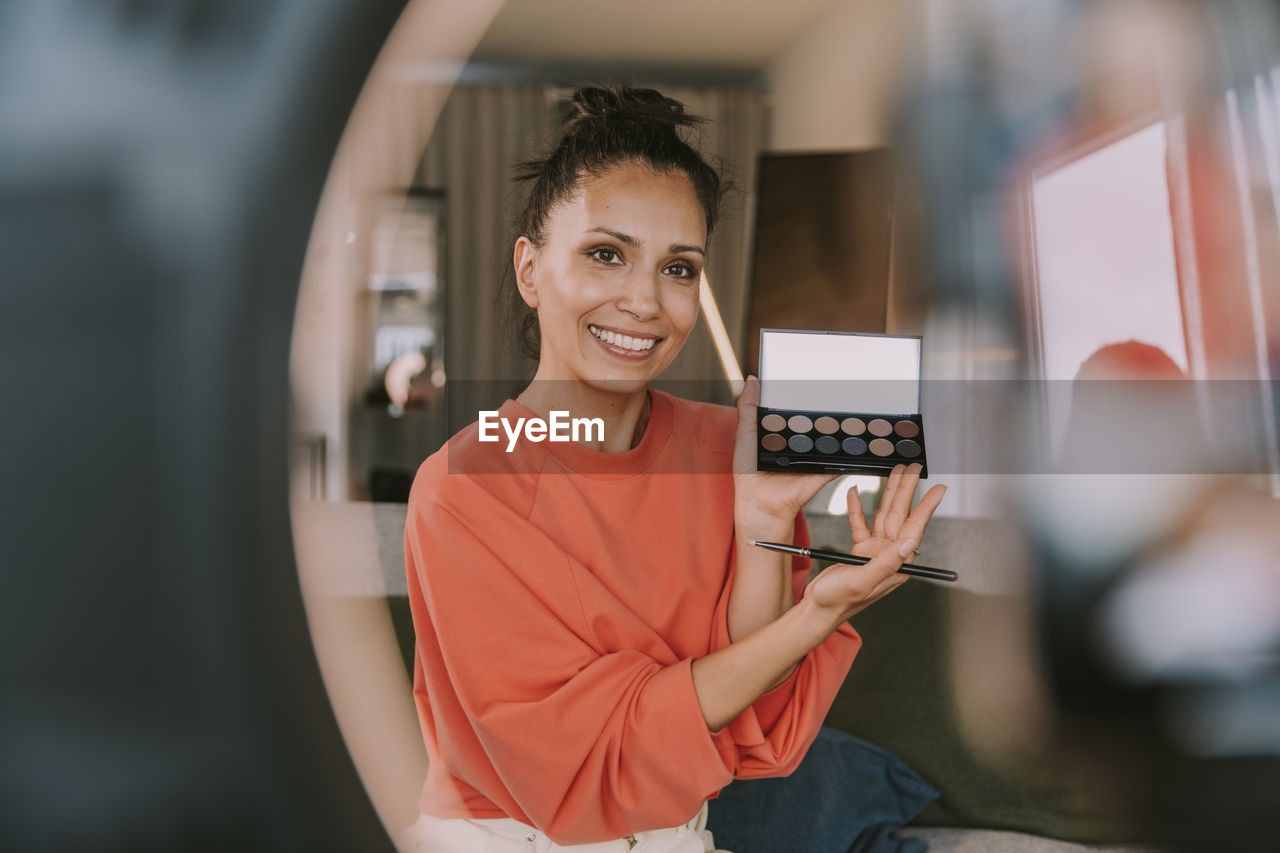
x=842, y=590
x=765, y=501
x=894, y=519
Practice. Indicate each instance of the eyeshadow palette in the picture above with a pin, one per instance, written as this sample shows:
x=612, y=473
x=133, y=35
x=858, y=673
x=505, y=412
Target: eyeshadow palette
x=817, y=441
x=839, y=402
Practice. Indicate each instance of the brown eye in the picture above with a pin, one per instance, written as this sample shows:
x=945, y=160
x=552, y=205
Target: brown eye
x=604, y=255
x=680, y=270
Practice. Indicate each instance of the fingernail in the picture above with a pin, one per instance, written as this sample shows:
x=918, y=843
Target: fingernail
x=907, y=547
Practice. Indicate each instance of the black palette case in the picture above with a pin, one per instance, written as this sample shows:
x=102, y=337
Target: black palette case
x=839, y=403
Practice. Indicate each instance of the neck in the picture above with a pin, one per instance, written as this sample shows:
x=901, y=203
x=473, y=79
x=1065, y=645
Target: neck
x=625, y=414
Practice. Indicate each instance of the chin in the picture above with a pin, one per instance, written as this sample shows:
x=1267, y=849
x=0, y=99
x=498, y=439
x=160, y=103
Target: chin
x=623, y=385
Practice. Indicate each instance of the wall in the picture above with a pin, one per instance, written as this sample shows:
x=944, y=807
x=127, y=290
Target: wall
x=832, y=88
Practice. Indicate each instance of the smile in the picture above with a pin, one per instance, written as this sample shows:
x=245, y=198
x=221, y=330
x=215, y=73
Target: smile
x=629, y=344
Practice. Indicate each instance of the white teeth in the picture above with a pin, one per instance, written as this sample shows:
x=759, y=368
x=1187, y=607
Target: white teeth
x=623, y=341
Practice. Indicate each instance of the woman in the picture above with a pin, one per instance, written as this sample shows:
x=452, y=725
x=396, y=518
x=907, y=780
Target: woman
x=599, y=648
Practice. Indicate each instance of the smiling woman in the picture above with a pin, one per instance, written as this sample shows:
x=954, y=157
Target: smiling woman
x=671, y=199
x=598, y=651
x=614, y=283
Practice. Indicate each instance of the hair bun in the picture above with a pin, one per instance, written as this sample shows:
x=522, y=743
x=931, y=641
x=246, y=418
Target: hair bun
x=626, y=104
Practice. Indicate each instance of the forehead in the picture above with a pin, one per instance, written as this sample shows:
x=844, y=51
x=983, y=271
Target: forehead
x=635, y=199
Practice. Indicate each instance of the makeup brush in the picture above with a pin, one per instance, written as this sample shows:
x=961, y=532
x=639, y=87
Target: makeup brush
x=853, y=560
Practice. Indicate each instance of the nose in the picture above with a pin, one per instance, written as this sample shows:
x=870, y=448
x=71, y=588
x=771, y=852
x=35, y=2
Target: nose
x=641, y=296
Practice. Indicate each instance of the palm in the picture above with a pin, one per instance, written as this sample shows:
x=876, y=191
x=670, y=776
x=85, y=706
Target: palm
x=870, y=546
x=851, y=588
x=779, y=495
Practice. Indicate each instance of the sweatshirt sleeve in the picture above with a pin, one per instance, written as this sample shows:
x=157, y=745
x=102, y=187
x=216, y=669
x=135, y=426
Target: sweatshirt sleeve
x=773, y=735
x=582, y=743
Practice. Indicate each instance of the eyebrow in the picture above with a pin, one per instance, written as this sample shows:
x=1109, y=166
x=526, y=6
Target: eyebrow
x=628, y=240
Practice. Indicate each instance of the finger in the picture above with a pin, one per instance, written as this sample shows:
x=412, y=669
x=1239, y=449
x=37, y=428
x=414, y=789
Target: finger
x=900, y=503
x=857, y=518
x=913, y=527
x=886, y=500
x=744, y=444
x=890, y=486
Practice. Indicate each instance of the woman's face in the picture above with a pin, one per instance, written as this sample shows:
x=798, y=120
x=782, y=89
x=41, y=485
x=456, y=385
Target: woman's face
x=615, y=283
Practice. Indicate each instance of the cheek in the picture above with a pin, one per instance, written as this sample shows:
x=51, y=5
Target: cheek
x=683, y=309
x=579, y=291
x=561, y=298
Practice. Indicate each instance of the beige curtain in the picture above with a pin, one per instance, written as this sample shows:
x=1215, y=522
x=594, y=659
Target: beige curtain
x=485, y=129
x=482, y=132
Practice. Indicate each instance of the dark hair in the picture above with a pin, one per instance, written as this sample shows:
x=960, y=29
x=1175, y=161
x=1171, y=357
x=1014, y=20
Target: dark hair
x=606, y=127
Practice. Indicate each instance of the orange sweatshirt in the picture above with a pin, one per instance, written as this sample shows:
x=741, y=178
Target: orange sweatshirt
x=559, y=596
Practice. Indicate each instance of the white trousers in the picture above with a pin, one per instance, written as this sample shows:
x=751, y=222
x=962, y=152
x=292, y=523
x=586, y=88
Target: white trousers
x=504, y=835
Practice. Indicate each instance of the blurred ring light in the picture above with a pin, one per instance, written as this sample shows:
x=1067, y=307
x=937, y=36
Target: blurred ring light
x=336, y=543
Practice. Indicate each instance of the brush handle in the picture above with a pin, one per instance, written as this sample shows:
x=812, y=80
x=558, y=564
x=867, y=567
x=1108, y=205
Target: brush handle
x=855, y=560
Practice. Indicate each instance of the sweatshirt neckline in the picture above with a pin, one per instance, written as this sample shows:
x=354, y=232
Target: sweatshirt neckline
x=584, y=460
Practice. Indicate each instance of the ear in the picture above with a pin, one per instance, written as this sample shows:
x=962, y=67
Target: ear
x=525, y=260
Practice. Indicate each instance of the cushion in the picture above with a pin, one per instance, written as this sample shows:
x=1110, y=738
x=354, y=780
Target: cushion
x=846, y=795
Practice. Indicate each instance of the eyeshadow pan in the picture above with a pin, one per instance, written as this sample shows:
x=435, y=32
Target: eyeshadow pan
x=906, y=429
x=827, y=444
x=908, y=448
x=773, y=423
x=801, y=443
x=799, y=423
x=853, y=426
x=881, y=446
x=826, y=425
x=773, y=442
x=880, y=427
x=854, y=446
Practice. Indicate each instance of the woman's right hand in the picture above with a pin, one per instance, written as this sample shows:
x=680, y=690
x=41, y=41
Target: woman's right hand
x=892, y=539
x=765, y=502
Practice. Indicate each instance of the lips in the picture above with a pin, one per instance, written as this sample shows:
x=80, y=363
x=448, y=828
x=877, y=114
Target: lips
x=630, y=344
